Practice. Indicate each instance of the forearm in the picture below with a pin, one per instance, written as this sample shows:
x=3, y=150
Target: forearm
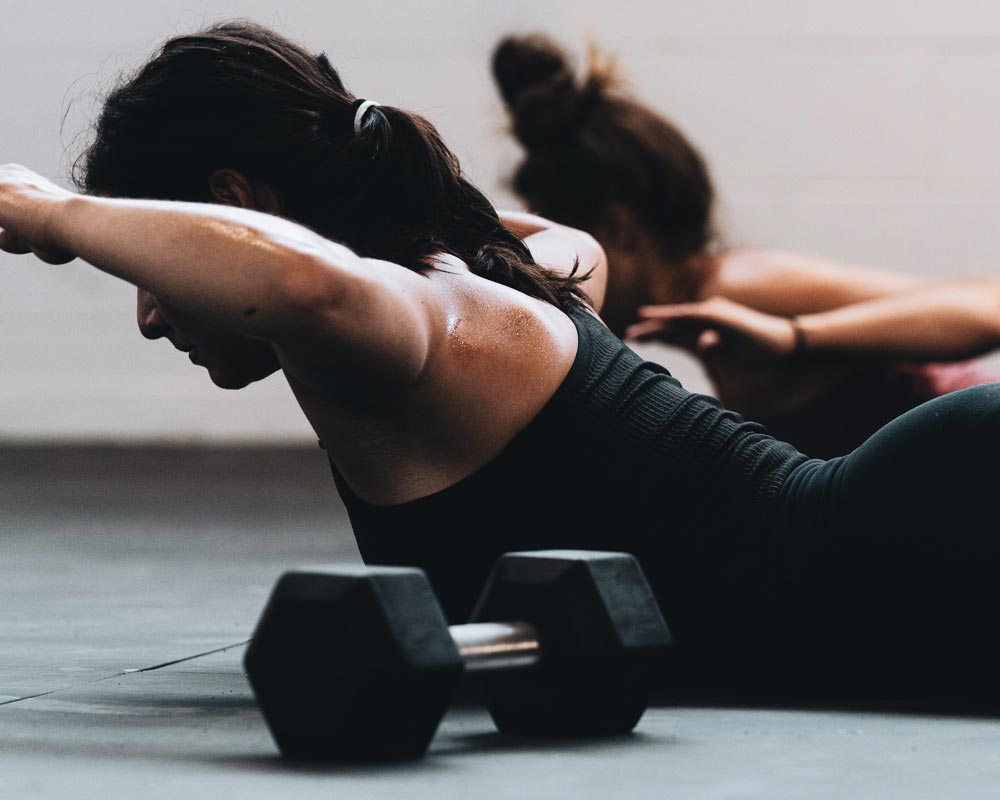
x=242, y=270
x=946, y=322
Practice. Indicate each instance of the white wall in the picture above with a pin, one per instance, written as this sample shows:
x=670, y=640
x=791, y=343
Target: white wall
x=863, y=130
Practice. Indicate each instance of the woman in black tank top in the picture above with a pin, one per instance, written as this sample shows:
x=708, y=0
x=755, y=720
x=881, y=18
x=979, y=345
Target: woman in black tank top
x=471, y=401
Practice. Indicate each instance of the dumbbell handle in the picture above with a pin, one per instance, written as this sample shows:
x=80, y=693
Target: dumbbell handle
x=497, y=645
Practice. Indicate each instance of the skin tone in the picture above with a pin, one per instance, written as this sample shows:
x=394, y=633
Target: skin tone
x=411, y=380
x=950, y=321
x=774, y=281
x=731, y=310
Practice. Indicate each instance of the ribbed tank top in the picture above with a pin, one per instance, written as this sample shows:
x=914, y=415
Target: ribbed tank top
x=621, y=457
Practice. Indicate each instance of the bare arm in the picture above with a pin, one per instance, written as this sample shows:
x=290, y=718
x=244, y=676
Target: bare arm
x=947, y=321
x=943, y=321
x=786, y=284
x=245, y=271
x=761, y=369
x=560, y=248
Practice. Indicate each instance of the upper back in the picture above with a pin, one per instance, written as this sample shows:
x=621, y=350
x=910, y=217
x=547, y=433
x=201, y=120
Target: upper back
x=495, y=358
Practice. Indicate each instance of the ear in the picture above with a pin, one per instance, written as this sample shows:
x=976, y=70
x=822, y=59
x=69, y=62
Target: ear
x=232, y=188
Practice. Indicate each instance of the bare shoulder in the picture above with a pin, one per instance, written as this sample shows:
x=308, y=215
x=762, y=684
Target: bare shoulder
x=496, y=359
x=786, y=282
x=487, y=324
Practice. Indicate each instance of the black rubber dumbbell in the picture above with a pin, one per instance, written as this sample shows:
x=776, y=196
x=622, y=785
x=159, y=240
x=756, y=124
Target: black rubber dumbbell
x=358, y=663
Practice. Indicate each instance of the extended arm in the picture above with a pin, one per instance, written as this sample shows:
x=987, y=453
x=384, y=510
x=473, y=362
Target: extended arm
x=786, y=283
x=947, y=321
x=761, y=368
x=943, y=321
x=245, y=271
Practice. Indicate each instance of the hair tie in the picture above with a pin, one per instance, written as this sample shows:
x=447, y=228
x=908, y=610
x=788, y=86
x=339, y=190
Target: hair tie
x=359, y=115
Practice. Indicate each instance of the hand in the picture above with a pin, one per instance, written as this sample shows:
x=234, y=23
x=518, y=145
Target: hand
x=744, y=352
x=28, y=203
x=717, y=327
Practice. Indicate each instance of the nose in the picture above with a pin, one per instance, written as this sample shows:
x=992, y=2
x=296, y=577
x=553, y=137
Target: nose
x=152, y=325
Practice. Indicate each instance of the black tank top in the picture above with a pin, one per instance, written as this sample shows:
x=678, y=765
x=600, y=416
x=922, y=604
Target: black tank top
x=620, y=458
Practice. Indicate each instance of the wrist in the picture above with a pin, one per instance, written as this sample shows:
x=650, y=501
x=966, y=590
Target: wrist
x=800, y=344
x=60, y=219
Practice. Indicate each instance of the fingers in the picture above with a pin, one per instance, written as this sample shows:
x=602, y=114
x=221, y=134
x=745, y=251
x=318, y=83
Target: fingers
x=658, y=320
x=696, y=339
x=647, y=329
x=11, y=244
x=671, y=311
x=679, y=324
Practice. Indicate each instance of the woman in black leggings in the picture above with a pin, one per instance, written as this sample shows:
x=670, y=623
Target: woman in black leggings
x=452, y=362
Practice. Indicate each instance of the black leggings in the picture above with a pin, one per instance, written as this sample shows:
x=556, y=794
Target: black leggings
x=882, y=569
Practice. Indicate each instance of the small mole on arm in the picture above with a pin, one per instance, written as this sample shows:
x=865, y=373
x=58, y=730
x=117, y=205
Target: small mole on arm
x=250, y=311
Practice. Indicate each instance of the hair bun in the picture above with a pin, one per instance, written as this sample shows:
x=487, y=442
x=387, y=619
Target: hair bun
x=540, y=88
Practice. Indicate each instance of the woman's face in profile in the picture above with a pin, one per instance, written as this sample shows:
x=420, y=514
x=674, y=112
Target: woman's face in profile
x=232, y=361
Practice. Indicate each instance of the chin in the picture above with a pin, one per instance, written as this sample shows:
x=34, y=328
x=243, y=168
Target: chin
x=231, y=382
x=237, y=373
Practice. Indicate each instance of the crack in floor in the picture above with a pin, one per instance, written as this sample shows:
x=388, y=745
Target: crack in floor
x=126, y=672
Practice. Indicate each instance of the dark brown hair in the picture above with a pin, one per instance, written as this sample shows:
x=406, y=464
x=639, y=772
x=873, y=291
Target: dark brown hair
x=238, y=95
x=588, y=145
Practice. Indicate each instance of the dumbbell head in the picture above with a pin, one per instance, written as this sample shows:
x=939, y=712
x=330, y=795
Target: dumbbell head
x=352, y=663
x=602, y=635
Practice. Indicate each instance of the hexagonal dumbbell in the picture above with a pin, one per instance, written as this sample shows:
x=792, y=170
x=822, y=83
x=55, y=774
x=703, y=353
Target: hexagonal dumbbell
x=358, y=663
x=601, y=635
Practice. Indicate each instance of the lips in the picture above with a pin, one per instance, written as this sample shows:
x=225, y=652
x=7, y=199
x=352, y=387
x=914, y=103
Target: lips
x=186, y=347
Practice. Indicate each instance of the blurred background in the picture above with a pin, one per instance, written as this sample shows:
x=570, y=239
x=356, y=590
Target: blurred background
x=860, y=130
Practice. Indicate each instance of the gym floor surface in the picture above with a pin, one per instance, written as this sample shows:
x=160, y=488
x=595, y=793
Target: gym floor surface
x=131, y=580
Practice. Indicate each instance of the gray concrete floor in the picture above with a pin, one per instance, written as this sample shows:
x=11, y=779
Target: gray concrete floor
x=130, y=581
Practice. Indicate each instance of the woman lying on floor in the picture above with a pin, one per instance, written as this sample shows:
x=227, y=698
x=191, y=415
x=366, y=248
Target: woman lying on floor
x=472, y=401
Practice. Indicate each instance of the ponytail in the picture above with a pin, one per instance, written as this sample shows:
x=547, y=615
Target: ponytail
x=239, y=95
